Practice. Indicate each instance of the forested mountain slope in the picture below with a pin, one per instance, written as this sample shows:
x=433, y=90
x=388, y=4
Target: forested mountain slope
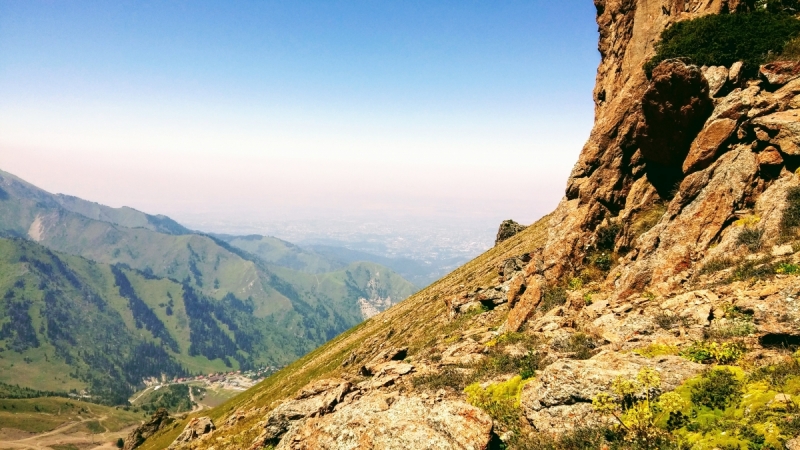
x=176, y=301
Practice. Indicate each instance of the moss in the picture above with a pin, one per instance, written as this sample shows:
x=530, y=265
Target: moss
x=722, y=39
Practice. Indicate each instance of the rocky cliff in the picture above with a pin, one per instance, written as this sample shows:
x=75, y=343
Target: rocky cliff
x=671, y=252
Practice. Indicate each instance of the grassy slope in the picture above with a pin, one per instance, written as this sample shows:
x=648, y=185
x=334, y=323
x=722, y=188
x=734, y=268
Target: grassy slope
x=415, y=322
x=340, y=287
x=39, y=415
x=281, y=253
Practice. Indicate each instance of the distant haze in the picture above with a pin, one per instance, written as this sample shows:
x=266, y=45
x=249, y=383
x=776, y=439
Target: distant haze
x=224, y=114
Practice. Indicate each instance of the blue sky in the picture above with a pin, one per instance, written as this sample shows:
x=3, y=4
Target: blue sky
x=299, y=108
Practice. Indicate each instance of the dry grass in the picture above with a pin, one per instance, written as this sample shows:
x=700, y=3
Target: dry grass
x=414, y=322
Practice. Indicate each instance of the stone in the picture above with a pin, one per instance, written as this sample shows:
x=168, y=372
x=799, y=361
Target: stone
x=779, y=73
x=197, y=427
x=717, y=77
x=389, y=354
x=782, y=250
x=735, y=73
x=315, y=399
x=762, y=135
x=394, y=423
x=559, y=398
x=770, y=158
x=674, y=109
x=159, y=420
x=516, y=287
x=705, y=147
x=508, y=228
x=787, y=125
x=465, y=352
x=526, y=305
x=793, y=444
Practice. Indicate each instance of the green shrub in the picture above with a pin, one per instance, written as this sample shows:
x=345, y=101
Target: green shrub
x=120, y=443
x=712, y=352
x=787, y=268
x=717, y=389
x=723, y=39
x=580, y=344
x=448, y=377
x=717, y=264
x=500, y=400
x=751, y=238
x=553, y=296
x=791, y=214
x=792, y=49
x=606, y=236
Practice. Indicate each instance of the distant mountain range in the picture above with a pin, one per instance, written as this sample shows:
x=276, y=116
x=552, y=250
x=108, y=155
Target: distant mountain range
x=99, y=297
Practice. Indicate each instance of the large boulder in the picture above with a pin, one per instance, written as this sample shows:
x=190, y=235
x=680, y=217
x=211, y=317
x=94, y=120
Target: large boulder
x=317, y=398
x=508, y=228
x=559, y=398
x=785, y=126
x=675, y=106
x=708, y=143
x=395, y=422
x=158, y=421
x=779, y=73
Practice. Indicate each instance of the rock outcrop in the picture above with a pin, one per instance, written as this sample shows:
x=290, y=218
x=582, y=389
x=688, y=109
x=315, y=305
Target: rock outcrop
x=158, y=421
x=560, y=397
x=197, y=427
x=507, y=229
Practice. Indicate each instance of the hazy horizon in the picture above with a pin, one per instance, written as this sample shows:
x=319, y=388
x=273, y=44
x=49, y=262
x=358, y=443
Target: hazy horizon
x=261, y=112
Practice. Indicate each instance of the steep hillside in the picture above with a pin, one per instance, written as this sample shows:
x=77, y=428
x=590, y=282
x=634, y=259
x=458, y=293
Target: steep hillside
x=190, y=303
x=655, y=308
x=419, y=323
x=67, y=323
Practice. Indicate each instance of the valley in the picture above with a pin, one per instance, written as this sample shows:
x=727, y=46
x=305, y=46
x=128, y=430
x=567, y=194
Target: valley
x=99, y=300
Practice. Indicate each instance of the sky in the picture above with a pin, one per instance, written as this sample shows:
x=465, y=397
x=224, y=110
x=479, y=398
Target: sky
x=299, y=110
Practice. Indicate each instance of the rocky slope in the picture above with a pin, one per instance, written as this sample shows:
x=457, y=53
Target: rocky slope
x=672, y=250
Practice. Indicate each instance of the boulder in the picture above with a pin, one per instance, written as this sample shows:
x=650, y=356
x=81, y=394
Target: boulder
x=317, y=398
x=735, y=73
x=559, y=398
x=389, y=354
x=395, y=422
x=526, y=305
x=787, y=126
x=197, y=427
x=158, y=421
x=674, y=109
x=770, y=159
x=707, y=144
x=779, y=73
x=465, y=352
x=716, y=76
x=508, y=228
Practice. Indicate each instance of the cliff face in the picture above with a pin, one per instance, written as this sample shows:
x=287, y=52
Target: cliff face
x=685, y=175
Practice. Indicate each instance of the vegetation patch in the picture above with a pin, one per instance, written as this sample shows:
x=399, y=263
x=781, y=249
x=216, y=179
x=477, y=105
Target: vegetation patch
x=723, y=39
x=717, y=264
x=751, y=238
x=655, y=349
x=706, y=352
x=500, y=400
x=552, y=297
x=790, y=219
x=581, y=345
x=648, y=218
